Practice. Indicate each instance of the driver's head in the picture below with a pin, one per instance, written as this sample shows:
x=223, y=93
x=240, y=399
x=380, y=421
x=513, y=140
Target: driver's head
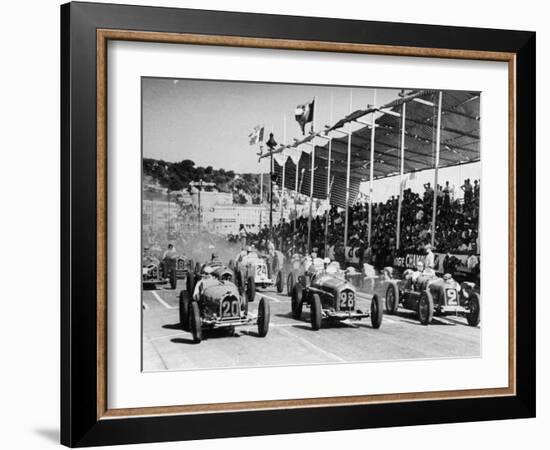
x=420, y=266
x=170, y=246
x=214, y=257
x=248, y=249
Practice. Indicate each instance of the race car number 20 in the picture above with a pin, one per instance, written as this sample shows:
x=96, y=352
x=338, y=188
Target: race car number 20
x=230, y=308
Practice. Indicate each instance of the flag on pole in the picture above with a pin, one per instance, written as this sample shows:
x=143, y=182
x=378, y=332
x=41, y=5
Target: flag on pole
x=257, y=135
x=304, y=114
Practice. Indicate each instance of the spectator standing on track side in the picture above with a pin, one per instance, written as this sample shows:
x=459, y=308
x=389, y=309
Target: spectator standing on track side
x=242, y=236
x=468, y=190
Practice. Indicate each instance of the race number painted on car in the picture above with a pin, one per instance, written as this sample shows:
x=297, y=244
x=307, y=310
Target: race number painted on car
x=347, y=300
x=230, y=308
x=452, y=298
x=261, y=271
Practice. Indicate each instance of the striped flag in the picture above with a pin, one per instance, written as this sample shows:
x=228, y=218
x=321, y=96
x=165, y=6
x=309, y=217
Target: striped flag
x=257, y=135
x=304, y=114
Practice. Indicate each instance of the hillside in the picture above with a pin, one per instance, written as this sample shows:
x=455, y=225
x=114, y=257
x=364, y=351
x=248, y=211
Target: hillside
x=177, y=176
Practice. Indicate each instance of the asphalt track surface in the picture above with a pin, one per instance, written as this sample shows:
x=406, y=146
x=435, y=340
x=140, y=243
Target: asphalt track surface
x=291, y=342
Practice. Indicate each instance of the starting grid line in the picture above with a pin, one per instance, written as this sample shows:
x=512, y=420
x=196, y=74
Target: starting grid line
x=162, y=302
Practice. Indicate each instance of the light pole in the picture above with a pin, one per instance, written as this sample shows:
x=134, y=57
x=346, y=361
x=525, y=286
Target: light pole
x=199, y=185
x=271, y=144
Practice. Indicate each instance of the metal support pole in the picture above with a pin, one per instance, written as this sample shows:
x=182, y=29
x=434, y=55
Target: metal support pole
x=284, y=168
x=400, y=199
x=329, y=182
x=348, y=169
x=437, y=145
x=312, y=176
x=271, y=195
x=371, y=169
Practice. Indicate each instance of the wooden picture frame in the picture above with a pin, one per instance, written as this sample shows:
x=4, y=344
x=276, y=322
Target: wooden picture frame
x=85, y=30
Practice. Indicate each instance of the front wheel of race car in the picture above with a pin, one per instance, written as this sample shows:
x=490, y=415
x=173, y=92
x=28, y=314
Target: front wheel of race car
x=473, y=317
x=392, y=298
x=195, y=322
x=173, y=279
x=290, y=284
x=279, y=282
x=315, y=312
x=184, y=310
x=263, y=317
x=425, y=308
x=376, y=312
x=297, y=301
x=250, y=289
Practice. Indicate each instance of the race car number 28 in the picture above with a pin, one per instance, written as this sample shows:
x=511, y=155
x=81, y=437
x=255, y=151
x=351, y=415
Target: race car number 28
x=230, y=308
x=347, y=300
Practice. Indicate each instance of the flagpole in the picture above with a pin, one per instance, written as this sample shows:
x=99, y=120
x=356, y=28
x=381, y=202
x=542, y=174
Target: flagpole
x=312, y=180
x=284, y=167
x=295, y=206
x=271, y=191
x=348, y=170
x=329, y=182
x=437, y=145
x=371, y=171
x=401, y=170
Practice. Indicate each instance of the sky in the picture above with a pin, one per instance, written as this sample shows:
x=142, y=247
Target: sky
x=209, y=121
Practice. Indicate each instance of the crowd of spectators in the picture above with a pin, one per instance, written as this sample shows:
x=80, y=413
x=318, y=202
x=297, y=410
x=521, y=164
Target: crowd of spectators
x=456, y=228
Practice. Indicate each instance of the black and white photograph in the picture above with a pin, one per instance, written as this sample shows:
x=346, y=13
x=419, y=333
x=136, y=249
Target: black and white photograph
x=293, y=224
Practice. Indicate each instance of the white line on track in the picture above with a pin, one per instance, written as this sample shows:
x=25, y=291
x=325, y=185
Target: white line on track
x=276, y=300
x=162, y=302
x=311, y=345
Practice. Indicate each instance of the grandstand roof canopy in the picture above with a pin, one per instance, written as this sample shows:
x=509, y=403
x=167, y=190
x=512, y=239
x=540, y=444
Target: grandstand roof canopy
x=459, y=140
x=459, y=134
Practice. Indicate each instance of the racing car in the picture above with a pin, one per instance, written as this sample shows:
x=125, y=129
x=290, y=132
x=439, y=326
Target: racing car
x=295, y=269
x=428, y=294
x=180, y=264
x=150, y=273
x=330, y=296
x=215, y=302
x=251, y=271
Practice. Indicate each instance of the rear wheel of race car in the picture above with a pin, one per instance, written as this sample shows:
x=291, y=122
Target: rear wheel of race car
x=392, y=298
x=474, y=315
x=195, y=322
x=173, y=279
x=279, y=282
x=297, y=301
x=315, y=304
x=376, y=312
x=238, y=282
x=290, y=284
x=250, y=289
x=190, y=284
x=263, y=317
x=184, y=310
x=425, y=308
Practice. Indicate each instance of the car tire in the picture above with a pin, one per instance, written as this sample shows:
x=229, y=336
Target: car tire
x=190, y=284
x=425, y=308
x=376, y=312
x=264, y=314
x=315, y=318
x=250, y=289
x=279, y=282
x=297, y=302
x=392, y=298
x=474, y=316
x=173, y=279
x=195, y=322
x=184, y=310
x=290, y=284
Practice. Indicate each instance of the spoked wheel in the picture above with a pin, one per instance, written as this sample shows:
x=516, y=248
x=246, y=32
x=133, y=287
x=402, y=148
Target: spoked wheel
x=297, y=302
x=290, y=284
x=315, y=312
x=195, y=322
x=263, y=317
x=184, y=310
x=473, y=317
x=392, y=299
x=426, y=308
x=376, y=312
